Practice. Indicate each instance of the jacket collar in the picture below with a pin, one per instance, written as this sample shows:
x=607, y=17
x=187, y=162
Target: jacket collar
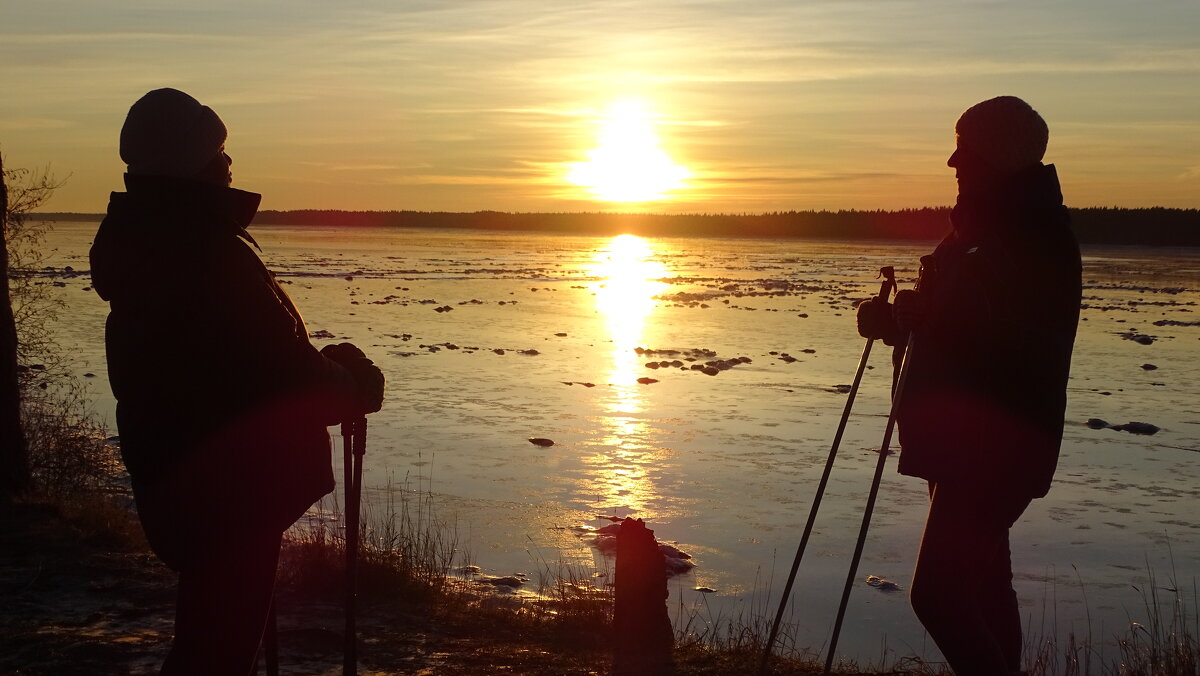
x=1010, y=204
x=227, y=206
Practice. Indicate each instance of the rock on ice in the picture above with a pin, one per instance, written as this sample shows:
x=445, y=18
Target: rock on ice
x=882, y=584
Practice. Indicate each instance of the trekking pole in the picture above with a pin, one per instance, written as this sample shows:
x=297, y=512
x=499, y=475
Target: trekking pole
x=885, y=289
x=897, y=393
x=271, y=641
x=354, y=447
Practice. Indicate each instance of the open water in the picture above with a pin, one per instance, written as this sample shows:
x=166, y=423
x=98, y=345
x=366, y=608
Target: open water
x=489, y=339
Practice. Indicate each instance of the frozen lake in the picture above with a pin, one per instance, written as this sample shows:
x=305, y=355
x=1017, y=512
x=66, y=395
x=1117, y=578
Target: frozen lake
x=725, y=466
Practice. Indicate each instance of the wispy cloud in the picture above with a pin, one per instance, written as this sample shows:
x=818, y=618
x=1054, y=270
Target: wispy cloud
x=79, y=39
x=762, y=96
x=33, y=124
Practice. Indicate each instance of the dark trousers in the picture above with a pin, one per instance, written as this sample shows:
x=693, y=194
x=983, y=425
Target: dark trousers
x=962, y=586
x=221, y=610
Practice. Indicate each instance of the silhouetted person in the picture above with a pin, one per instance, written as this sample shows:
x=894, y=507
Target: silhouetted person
x=222, y=402
x=981, y=415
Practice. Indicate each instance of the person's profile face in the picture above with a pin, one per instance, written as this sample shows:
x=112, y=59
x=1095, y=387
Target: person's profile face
x=969, y=168
x=218, y=170
x=224, y=158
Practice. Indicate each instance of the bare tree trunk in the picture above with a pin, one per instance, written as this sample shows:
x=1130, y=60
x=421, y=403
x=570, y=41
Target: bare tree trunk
x=14, y=457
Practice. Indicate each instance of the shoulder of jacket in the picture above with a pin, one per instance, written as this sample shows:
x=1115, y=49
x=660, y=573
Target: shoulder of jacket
x=235, y=247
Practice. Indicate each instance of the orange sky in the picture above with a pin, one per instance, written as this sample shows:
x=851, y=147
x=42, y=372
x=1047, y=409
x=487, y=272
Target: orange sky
x=493, y=104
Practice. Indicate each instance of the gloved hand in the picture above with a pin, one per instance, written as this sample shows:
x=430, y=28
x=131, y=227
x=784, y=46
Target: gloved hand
x=875, y=321
x=370, y=383
x=909, y=310
x=366, y=374
x=343, y=353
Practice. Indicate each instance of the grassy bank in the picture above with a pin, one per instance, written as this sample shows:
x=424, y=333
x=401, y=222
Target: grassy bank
x=411, y=557
x=84, y=596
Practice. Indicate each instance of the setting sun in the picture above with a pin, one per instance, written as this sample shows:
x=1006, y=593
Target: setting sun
x=628, y=165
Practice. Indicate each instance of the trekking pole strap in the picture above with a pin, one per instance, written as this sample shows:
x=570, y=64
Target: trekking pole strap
x=888, y=285
x=360, y=439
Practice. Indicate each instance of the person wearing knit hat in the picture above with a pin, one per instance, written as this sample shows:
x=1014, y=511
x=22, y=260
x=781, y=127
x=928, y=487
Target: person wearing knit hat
x=222, y=400
x=168, y=133
x=986, y=340
x=1004, y=132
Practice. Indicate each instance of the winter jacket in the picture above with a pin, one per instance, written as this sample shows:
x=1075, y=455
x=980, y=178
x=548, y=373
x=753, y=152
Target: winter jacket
x=985, y=397
x=222, y=401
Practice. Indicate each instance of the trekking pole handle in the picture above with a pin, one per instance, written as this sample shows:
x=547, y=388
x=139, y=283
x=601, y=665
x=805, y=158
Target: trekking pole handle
x=360, y=438
x=888, y=285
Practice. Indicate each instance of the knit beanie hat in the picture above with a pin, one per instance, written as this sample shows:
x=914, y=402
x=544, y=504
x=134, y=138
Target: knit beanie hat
x=1005, y=131
x=169, y=133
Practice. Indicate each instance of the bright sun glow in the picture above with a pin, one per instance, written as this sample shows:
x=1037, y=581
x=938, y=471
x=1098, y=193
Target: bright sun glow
x=628, y=165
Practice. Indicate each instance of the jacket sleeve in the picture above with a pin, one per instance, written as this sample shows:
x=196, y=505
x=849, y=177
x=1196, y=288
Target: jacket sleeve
x=267, y=350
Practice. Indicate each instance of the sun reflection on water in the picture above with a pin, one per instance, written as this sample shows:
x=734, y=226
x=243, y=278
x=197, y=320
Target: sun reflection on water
x=628, y=277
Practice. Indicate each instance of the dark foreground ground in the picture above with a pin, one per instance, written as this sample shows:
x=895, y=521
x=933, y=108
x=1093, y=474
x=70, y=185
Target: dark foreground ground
x=80, y=595
x=73, y=603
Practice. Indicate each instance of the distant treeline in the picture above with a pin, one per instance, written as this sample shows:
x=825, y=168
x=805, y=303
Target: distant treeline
x=1156, y=226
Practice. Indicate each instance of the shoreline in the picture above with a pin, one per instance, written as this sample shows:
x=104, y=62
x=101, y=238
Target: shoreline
x=82, y=599
x=84, y=596
x=1151, y=226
